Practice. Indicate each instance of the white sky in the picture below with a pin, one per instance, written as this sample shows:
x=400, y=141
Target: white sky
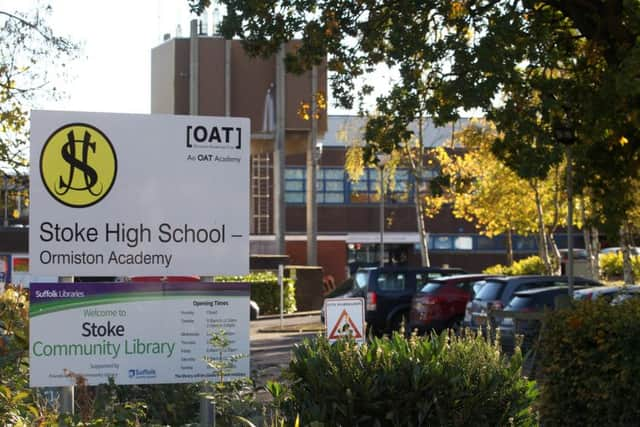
x=113, y=71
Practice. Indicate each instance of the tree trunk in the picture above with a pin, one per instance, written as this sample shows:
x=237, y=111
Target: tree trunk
x=418, y=167
x=543, y=247
x=627, y=270
x=509, y=247
x=422, y=231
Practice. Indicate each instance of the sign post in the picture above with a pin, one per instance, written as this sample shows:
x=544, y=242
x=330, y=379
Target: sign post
x=136, y=195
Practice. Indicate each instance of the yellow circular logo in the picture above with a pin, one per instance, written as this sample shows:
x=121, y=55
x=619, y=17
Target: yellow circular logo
x=78, y=165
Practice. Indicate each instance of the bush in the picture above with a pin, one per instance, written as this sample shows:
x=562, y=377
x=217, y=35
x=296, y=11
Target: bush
x=611, y=265
x=19, y=405
x=530, y=265
x=421, y=381
x=266, y=292
x=590, y=365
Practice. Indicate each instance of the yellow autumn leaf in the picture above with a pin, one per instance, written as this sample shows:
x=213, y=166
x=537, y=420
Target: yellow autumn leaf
x=623, y=141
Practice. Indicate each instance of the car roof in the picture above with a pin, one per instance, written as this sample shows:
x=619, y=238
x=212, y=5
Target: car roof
x=461, y=277
x=403, y=268
x=536, y=291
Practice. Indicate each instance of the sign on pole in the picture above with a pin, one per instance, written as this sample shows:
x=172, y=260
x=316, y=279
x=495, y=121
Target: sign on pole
x=135, y=333
x=128, y=195
x=344, y=317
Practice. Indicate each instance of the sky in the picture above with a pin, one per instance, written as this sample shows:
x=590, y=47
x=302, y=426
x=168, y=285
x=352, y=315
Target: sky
x=113, y=73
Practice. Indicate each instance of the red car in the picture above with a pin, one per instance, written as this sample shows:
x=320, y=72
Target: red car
x=441, y=302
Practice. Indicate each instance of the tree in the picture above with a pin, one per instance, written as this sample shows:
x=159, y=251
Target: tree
x=30, y=55
x=574, y=58
x=485, y=191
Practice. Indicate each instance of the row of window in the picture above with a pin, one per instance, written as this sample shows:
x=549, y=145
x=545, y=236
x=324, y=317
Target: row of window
x=454, y=242
x=334, y=187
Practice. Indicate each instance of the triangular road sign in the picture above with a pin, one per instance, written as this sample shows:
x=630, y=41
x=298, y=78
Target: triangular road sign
x=344, y=327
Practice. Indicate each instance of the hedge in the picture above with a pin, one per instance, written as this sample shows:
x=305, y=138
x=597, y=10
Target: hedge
x=590, y=365
x=265, y=291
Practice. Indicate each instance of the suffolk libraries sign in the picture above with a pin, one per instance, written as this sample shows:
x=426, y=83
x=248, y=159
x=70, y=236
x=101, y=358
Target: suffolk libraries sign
x=125, y=195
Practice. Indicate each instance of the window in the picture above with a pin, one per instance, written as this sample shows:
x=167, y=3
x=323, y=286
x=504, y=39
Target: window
x=330, y=185
x=391, y=282
x=367, y=188
x=463, y=243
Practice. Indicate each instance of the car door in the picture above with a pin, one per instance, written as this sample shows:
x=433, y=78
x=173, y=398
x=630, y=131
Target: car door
x=395, y=288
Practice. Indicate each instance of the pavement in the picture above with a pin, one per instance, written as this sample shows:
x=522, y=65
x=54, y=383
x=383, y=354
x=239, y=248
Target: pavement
x=271, y=341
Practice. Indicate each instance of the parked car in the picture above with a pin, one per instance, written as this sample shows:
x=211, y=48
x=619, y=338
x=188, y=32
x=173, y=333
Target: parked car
x=605, y=292
x=388, y=291
x=578, y=253
x=498, y=291
x=628, y=292
x=441, y=303
x=530, y=301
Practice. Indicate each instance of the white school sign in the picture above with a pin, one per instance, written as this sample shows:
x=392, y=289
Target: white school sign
x=128, y=194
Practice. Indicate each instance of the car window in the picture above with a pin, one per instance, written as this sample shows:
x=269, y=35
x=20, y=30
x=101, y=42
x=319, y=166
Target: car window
x=392, y=282
x=519, y=303
x=490, y=291
x=477, y=286
x=431, y=287
x=433, y=275
x=362, y=278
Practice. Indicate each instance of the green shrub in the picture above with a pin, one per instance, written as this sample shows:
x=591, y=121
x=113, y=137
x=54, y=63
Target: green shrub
x=590, y=365
x=266, y=292
x=611, y=265
x=530, y=265
x=421, y=381
x=19, y=405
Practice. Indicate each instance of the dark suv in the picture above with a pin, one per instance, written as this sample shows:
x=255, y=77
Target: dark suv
x=388, y=292
x=497, y=292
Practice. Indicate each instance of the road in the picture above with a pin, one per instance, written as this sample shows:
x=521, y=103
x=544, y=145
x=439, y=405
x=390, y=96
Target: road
x=271, y=344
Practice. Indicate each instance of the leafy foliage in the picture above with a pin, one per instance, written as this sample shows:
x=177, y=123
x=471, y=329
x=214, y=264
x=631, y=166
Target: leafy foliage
x=30, y=58
x=527, y=65
x=590, y=365
x=529, y=265
x=611, y=265
x=437, y=380
x=266, y=292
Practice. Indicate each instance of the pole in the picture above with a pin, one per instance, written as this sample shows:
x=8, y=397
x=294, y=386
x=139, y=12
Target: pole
x=279, y=157
x=382, y=216
x=312, y=205
x=281, y=284
x=194, y=65
x=569, y=221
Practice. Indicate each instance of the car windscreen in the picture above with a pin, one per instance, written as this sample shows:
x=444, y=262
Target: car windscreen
x=431, y=287
x=490, y=291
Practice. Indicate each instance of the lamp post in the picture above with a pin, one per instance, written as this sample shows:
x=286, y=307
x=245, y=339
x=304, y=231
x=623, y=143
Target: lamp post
x=383, y=158
x=313, y=157
x=565, y=135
